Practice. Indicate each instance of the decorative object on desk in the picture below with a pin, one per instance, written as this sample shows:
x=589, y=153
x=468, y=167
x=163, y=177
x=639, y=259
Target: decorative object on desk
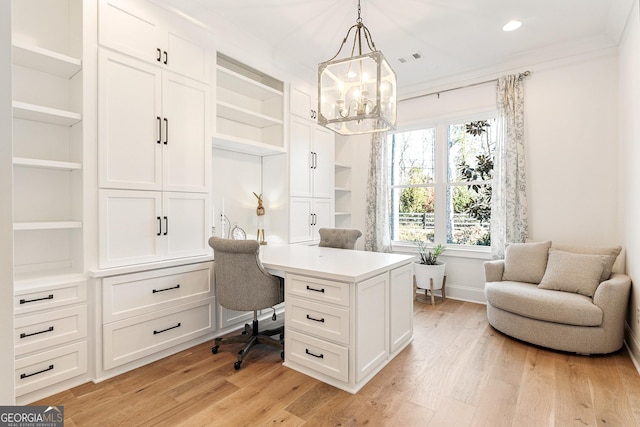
x=357, y=93
x=238, y=233
x=429, y=273
x=260, y=211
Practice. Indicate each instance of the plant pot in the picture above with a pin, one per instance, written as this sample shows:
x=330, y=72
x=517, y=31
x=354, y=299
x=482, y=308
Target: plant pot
x=424, y=273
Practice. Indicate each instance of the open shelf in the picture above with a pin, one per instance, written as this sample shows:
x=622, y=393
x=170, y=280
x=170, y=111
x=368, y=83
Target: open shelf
x=45, y=60
x=46, y=225
x=246, y=86
x=39, y=113
x=242, y=115
x=247, y=146
x=46, y=164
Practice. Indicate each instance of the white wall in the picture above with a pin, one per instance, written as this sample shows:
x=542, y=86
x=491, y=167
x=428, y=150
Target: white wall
x=572, y=156
x=6, y=209
x=629, y=174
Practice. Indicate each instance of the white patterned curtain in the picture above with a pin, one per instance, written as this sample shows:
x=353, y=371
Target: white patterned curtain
x=377, y=236
x=509, y=201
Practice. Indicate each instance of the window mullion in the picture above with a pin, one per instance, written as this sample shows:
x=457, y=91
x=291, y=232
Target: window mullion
x=441, y=184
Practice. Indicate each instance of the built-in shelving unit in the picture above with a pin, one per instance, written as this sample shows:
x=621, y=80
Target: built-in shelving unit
x=249, y=109
x=342, y=183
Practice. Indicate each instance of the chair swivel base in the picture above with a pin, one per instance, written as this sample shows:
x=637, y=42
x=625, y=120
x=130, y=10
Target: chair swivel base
x=250, y=337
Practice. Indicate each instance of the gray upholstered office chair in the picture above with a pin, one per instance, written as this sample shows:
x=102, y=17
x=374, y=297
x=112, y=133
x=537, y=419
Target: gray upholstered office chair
x=243, y=284
x=342, y=238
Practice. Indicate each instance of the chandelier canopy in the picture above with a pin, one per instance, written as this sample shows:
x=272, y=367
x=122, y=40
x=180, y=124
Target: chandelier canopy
x=357, y=94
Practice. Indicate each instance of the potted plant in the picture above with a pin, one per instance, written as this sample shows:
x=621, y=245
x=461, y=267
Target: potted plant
x=428, y=271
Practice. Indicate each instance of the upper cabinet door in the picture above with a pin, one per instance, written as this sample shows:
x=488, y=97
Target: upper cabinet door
x=186, y=155
x=301, y=163
x=144, y=31
x=130, y=125
x=131, y=27
x=303, y=102
x=324, y=163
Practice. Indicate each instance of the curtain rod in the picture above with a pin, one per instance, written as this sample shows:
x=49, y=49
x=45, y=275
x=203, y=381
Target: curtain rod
x=524, y=74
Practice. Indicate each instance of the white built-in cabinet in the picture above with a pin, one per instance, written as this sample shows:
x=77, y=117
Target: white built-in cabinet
x=343, y=182
x=311, y=170
x=154, y=167
x=50, y=288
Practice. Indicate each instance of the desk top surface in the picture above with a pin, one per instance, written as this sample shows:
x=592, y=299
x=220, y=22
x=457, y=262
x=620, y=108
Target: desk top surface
x=330, y=263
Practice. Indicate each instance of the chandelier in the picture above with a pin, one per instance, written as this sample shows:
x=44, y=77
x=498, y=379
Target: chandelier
x=357, y=94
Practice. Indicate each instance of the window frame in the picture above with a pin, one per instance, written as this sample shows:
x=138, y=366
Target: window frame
x=441, y=183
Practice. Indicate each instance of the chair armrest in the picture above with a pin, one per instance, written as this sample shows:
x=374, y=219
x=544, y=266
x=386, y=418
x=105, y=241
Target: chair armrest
x=493, y=270
x=612, y=295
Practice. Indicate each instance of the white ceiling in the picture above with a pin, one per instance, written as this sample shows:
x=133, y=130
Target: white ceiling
x=456, y=38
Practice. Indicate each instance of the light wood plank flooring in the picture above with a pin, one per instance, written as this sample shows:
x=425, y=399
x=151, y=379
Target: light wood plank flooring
x=457, y=372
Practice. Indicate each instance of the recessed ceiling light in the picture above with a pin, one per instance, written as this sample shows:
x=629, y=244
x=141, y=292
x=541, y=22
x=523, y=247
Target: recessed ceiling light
x=512, y=25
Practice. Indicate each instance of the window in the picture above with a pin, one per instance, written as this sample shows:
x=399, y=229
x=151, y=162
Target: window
x=441, y=183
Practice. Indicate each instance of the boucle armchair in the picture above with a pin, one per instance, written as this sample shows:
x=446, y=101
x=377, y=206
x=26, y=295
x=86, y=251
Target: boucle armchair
x=562, y=297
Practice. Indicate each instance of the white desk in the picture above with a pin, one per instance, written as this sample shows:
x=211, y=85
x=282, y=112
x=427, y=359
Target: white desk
x=348, y=313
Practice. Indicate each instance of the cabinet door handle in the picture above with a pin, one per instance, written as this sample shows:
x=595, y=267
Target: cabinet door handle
x=319, y=356
x=49, y=329
x=166, y=131
x=315, y=160
x=23, y=376
x=26, y=301
x=166, y=226
x=314, y=319
x=159, y=119
x=167, y=329
x=155, y=291
x=159, y=57
x=166, y=58
x=159, y=226
x=315, y=219
x=309, y=288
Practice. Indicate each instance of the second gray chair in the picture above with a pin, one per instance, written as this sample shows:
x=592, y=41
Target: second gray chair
x=342, y=238
x=243, y=284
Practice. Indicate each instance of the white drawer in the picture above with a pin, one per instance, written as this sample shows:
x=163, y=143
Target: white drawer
x=139, y=293
x=318, y=319
x=50, y=367
x=321, y=356
x=318, y=289
x=38, y=331
x=45, y=298
x=131, y=339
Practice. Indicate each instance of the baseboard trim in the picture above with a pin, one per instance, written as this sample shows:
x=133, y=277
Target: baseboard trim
x=633, y=346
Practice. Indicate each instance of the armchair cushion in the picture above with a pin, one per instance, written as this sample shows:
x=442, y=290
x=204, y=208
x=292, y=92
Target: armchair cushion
x=526, y=262
x=570, y=272
x=610, y=253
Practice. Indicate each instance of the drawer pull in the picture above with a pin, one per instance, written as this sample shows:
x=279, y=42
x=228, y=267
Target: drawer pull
x=23, y=376
x=155, y=291
x=23, y=335
x=168, y=329
x=309, y=288
x=315, y=320
x=24, y=301
x=319, y=356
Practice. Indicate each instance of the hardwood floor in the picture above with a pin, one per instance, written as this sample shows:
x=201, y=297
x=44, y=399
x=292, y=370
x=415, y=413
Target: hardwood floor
x=457, y=372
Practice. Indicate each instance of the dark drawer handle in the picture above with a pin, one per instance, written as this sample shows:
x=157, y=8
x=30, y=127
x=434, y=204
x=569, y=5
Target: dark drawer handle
x=23, y=335
x=309, y=288
x=319, y=356
x=315, y=320
x=168, y=329
x=155, y=291
x=23, y=376
x=24, y=301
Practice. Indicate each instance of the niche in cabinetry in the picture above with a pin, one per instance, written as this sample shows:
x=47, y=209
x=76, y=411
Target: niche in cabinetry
x=343, y=183
x=249, y=109
x=47, y=138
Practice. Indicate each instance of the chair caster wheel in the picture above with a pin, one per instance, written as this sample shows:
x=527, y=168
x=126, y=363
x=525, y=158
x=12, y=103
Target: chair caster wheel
x=237, y=365
x=214, y=350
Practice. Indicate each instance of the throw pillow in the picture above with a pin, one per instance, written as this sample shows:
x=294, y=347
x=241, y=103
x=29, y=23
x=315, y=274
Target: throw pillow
x=525, y=262
x=610, y=253
x=569, y=272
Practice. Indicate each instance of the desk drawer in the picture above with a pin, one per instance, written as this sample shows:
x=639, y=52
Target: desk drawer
x=49, y=297
x=36, y=332
x=131, y=339
x=50, y=367
x=318, y=289
x=321, y=356
x=318, y=319
x=140, y=293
